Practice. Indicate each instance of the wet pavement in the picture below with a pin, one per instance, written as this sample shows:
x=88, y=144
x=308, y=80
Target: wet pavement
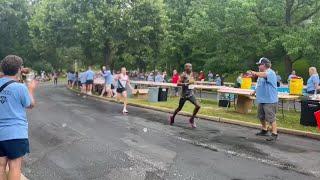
x=78, y=138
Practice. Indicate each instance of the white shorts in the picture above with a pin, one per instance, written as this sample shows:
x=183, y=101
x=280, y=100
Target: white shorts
x=108, y=86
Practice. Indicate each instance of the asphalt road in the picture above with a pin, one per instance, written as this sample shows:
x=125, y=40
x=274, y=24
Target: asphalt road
x=78, y=138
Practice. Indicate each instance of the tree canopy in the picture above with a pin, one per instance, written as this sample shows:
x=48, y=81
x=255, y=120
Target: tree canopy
x=223, y=36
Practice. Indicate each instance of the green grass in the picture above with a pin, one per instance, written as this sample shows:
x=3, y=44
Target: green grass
x=210, y=108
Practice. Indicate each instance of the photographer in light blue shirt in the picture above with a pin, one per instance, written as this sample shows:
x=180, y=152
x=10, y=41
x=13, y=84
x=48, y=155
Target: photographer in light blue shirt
x=267, y=98
x=14, y=99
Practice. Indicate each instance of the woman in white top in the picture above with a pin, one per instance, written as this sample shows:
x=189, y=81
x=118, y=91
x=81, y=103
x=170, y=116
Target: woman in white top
x=122, y=80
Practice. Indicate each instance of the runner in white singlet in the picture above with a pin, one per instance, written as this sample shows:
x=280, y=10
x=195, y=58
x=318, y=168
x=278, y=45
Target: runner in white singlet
x=122, y=80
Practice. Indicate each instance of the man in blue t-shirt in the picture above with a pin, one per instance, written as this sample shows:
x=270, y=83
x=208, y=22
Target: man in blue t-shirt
x=159, y=77
x=89, y=77
x=83, y=81
x=267, y=98
x=108, y=77
x=218, y=80
x=69, y=78
x=14, y=99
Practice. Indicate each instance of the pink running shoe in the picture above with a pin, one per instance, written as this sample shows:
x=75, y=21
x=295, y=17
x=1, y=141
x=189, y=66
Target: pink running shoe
x=171, y=120
x=192, y=123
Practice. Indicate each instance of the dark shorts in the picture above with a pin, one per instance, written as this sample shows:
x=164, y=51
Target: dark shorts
x=267, y=112
x=70, y=81
x=121, y=90
x=13, y=149
x=89, y=82
x=176, y=89
x=312, y=92
x=191, y=99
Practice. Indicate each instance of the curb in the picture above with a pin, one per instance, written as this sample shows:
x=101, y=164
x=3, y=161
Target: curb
x=212, y=118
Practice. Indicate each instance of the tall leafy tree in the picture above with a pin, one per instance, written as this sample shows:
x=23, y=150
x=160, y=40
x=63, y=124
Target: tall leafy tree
x=145, y=29
x=14, y=36
x=51, y=28
x=177, y=49
x=99, y=27
x=287, y=24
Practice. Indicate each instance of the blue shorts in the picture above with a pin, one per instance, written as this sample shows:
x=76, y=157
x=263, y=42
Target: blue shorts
x=89, y=82
x=13, y=149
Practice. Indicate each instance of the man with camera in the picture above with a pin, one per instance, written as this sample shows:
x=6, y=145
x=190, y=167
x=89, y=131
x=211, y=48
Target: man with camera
x=15, y=97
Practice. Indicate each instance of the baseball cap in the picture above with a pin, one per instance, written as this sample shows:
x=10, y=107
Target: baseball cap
x=263, y=60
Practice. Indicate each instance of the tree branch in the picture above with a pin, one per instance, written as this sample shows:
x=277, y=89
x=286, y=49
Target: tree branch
x=307, y=16
x=298, y=58
x=298, y=6
x=263, y=21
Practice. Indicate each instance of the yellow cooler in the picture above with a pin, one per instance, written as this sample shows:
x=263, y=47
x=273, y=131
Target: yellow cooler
x=296, y=86
x=246, y=82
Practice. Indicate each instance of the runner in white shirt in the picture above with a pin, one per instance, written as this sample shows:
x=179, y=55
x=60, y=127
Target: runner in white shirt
x=122, y=80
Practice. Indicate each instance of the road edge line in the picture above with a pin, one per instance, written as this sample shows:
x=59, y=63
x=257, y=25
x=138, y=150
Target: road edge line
x=306, y=134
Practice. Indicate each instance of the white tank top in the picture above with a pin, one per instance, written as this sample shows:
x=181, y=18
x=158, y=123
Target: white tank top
x=123, y=79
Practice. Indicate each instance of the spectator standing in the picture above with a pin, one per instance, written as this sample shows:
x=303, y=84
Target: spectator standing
x=279, y=79
x=218, y=80
x=201, y=77
x=69, y=78
x=55, y=78
x=15, y=98
x=43, y=75
x=108, y=77
x=159, y=77
x=150, y=77
x=89, y=80
x=175, y=79
x=239, y=81
x=165, y=76
x=83, y=80
x=75, y=77
x=267, y=98
x=142, y=77
x=293, y=74
x=210, y=76
x=313, y=81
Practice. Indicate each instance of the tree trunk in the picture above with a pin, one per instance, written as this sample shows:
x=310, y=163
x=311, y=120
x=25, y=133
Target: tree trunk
x=89, y=56
x=288, y=64
x=288, y=17
x=108, y=53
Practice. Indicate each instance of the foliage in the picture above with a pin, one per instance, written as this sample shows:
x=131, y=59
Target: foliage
x=224, y=36
x=14, y=38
